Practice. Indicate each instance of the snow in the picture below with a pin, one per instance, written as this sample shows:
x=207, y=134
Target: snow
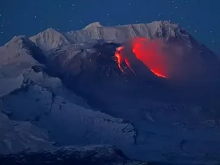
x=17, y=135
x=7, y=85
x=93, y=25
x=49, y=39
x=67, y=122
x=119, y=34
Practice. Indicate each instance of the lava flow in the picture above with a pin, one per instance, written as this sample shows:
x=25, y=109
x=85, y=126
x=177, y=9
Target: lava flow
x=118, y=56
x=146, y=51
x=158, y=74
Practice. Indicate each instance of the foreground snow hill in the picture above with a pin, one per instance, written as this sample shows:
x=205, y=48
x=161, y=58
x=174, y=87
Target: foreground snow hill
x=59, y=89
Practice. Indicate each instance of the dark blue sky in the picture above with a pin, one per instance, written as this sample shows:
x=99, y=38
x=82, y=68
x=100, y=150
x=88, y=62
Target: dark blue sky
x=199, y=17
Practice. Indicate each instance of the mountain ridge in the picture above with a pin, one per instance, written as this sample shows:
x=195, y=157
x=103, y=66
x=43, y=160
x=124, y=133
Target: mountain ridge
x=96, y=26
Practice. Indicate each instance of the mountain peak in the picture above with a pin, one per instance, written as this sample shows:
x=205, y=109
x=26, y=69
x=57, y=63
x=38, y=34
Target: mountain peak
x=93, y=25
x=19, y=41
x=51, y=30
x=49, y=39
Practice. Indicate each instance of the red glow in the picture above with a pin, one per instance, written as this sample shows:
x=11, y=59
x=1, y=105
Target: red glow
x=119, y=57
x=158, y=74
x=128, y=64
x=147, y=51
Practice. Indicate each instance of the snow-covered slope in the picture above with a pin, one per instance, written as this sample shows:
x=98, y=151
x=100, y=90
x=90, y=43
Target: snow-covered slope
x=158, y=29
x=29, y=95
x=41, y=100
x=49, y=39
x=16, y=56
x=121, y=33
x=18, y=135
x=68, y=123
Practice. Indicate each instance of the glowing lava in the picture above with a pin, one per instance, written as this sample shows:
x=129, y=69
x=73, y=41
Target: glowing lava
x=119, y=57
x=128, y=64
x=147, y=51
x=158, y=74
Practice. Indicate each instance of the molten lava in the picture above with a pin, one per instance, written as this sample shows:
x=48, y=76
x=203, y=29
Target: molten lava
x=147, y=51
x=158, y=74
x=128, y=64
x=119, y=57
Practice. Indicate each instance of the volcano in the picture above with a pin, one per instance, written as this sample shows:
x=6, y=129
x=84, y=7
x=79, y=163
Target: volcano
x=126, y=86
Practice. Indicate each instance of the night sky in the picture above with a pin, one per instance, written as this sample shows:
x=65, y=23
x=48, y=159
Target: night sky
x=28, y=17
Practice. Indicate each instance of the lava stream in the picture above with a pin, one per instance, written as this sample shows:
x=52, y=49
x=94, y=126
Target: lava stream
x=128, y=64
x=119, y=58
x=158, y=74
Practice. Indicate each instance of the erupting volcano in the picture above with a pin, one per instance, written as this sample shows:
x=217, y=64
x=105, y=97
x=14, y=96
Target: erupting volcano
x=148, y=52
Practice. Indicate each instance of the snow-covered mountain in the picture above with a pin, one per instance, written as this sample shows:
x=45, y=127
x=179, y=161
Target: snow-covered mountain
x=60, y=89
